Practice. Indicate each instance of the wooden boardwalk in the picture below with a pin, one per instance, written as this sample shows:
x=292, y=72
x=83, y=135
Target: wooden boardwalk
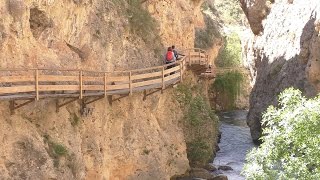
x=27, y=85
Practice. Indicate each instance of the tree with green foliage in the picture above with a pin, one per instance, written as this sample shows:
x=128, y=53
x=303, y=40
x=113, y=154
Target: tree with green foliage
x=291, y=140
x=230, y=55
x=230, y=11
x=228, y=86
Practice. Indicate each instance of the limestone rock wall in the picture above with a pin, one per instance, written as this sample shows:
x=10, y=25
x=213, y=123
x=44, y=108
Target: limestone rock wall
x=284, y=51
x=178, y=21
x=88, y=34
x=130, y=138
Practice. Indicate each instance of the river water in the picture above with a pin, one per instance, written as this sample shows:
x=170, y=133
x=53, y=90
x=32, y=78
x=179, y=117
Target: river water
x=235, y=143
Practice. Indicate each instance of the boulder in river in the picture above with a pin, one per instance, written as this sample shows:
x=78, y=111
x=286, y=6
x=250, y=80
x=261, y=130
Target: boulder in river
x=210, y=167
x=201, y=173
x=220, y=177
x=225, y=168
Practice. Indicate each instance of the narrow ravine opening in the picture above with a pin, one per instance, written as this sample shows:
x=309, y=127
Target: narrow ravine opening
x=230, y=90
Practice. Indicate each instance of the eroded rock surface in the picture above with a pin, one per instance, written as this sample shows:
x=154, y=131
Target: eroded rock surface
x=283, y=53
x=92, y=34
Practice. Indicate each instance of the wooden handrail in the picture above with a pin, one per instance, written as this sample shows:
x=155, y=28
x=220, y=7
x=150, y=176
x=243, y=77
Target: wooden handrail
x=37, y=83
x=130, y=83
x=181, y=71
x=81, y=85
x=163, y=85
x=45, y=81
x=105, y=84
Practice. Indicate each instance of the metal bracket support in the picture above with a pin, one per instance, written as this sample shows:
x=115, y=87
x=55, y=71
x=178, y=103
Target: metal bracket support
x=13, y=105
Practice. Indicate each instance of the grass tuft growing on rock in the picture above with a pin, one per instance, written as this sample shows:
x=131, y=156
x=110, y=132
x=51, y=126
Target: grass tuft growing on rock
x=55, y=150
x=74, y=119
x=59, y=149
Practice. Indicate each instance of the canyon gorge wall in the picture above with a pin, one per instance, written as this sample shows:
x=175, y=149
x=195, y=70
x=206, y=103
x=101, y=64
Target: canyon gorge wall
x=130, y=138
x=282, y=51
x=93, y=34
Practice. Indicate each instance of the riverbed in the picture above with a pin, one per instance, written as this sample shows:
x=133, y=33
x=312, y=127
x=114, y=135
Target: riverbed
x=234, y=144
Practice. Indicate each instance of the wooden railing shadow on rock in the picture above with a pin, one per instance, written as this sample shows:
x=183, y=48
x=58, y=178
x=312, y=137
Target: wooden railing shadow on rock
x=89, y=86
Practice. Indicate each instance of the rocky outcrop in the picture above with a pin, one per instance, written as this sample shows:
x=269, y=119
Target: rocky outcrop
x=256, y=11
x=284, y=52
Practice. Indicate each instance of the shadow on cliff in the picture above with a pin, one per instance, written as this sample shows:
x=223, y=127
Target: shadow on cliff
x=273, y=78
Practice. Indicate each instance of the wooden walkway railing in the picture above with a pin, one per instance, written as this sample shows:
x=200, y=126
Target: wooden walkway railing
x=41, y=83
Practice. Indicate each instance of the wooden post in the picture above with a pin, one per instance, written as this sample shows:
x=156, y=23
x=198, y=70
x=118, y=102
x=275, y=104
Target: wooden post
x=181, y=72
x=57, y=105
x=11, y=106
x=163, y=85
x=37, y=83
x=130, y=83
x=105, y=84
x=189, y=57
x=81, y=85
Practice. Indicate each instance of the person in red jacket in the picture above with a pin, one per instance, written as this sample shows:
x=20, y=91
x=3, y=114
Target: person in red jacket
x=170, y=58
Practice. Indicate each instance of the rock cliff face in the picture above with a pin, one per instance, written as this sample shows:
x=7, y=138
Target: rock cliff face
x=178, y=20
x=283, y=52
x=130, y=138
x=92, y=34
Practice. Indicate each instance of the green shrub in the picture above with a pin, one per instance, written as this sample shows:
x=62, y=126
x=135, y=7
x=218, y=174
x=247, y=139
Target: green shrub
x=199, y=151
x=199, y=111
x=229, y=11
x=200, y=124
x=184, y=94
x=228, y=85
x=290, y=148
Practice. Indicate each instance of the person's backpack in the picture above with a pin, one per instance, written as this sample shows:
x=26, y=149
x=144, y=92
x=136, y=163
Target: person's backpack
x=169, y=56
